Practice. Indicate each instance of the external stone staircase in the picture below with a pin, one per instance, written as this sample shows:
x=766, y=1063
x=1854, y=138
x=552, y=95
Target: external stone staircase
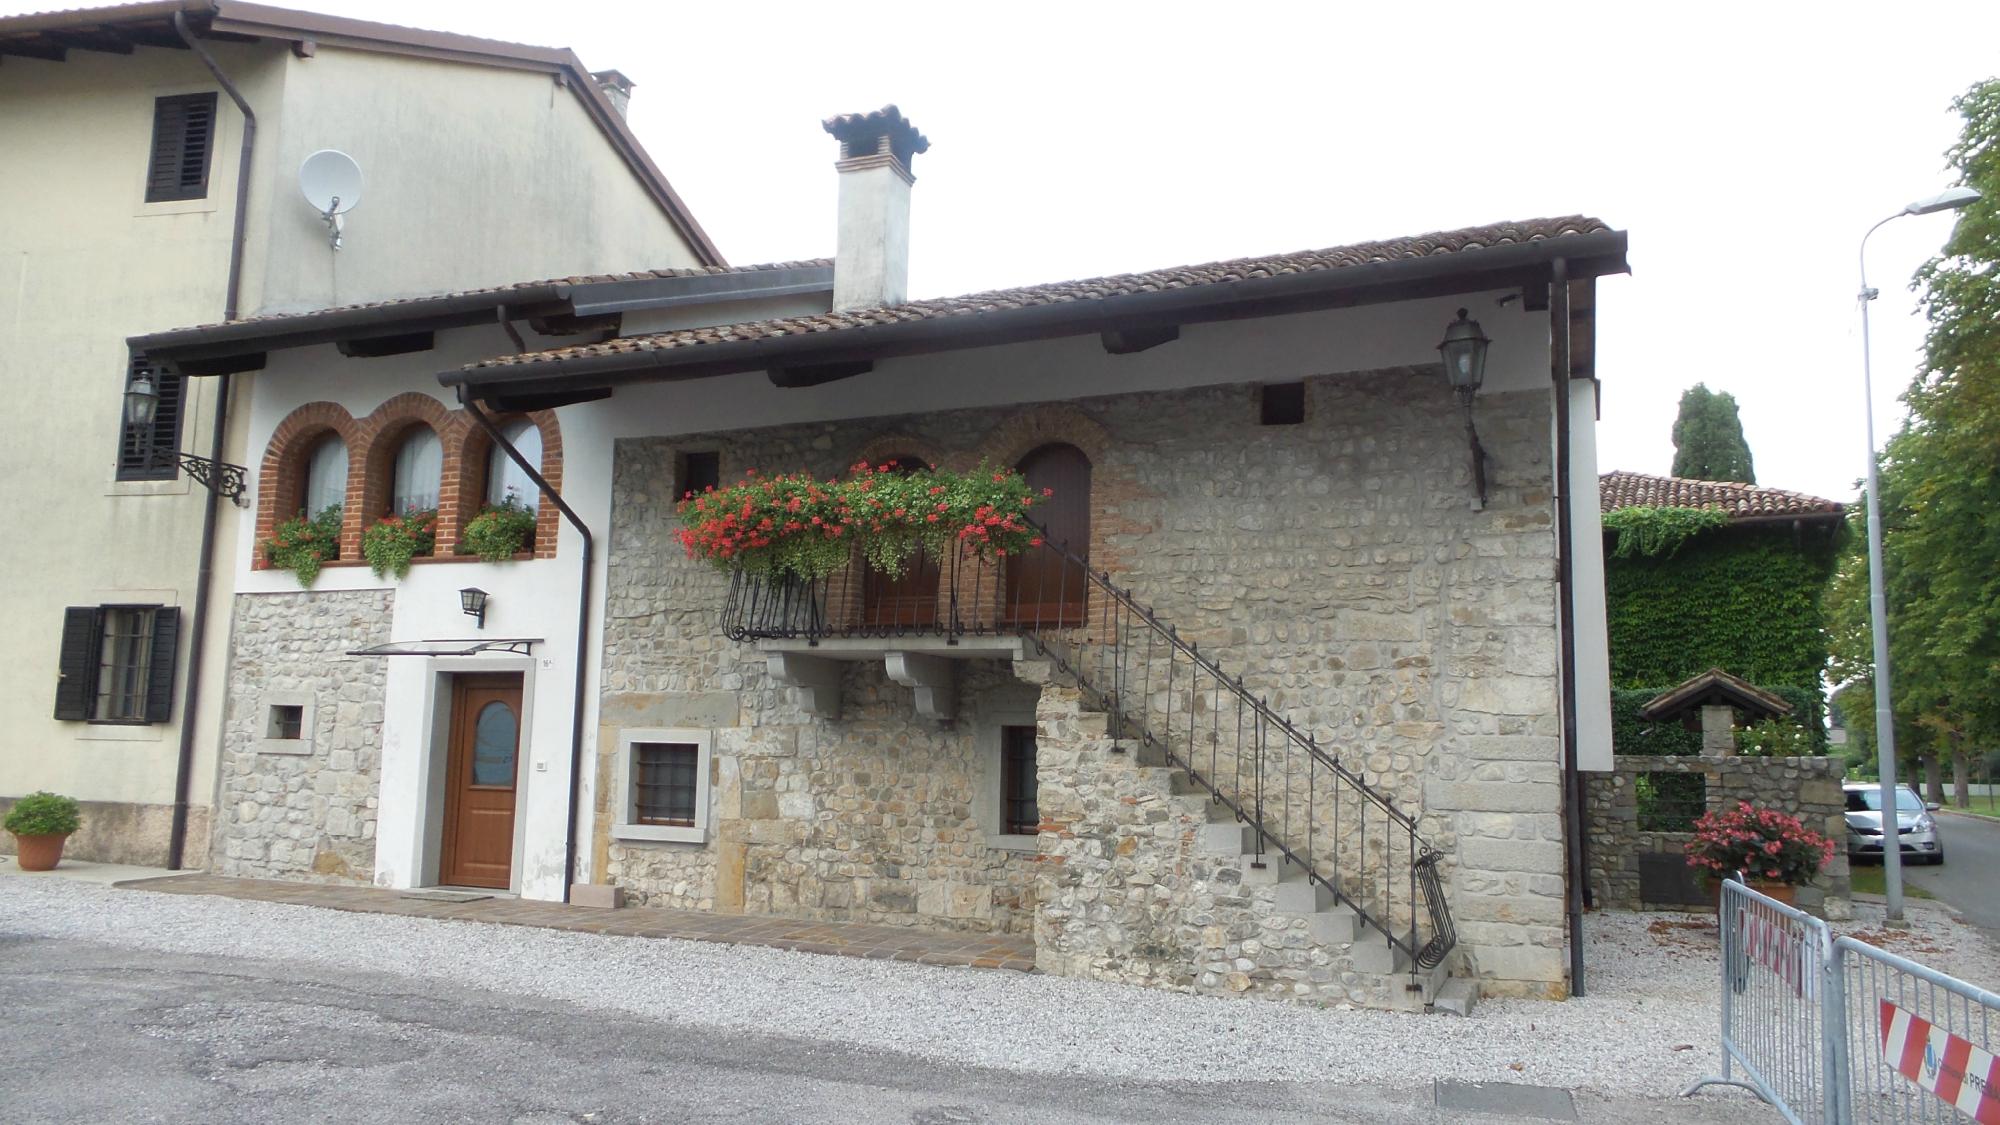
x=1147, y=879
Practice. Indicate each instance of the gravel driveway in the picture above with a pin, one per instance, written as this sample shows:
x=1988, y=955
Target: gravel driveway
x=1647, y=1028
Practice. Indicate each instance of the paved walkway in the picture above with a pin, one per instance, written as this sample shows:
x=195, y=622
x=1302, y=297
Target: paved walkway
x=845, y=939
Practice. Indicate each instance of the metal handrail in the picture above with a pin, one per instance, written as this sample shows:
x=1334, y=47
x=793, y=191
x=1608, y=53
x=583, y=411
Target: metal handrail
x=1092, y=630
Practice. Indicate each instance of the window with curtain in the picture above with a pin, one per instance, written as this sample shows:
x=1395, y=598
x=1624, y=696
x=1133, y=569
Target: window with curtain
x=503, y=476
x=326, y=477
x=419, y=467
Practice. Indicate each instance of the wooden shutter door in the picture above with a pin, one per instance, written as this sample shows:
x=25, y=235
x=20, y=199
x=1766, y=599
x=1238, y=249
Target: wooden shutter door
x=160, y=668
x=77, y=663
x=1044, y=588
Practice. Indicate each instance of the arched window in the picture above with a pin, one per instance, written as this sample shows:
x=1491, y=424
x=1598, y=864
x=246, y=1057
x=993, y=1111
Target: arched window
x=419, y=467
x=325, y=484
x=1045, y=587
x=503, y=476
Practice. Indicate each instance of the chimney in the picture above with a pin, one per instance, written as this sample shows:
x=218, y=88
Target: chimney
x=616, y=87
x=871, y=263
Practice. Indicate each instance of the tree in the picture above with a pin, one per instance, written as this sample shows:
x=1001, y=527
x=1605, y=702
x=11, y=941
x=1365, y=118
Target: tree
x=1940, y=488
x=1708, y=438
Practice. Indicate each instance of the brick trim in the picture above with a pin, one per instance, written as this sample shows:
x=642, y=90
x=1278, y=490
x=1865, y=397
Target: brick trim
x=372, y=442
x=881, y=447
x=280, y=477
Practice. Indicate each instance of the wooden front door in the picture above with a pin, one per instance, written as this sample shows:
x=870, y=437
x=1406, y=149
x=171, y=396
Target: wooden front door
x=480, y=771
x=1044, y=587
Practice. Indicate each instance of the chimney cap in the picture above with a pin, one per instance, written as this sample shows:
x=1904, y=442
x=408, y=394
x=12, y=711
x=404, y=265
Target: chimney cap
x=861, y=134
x=615, y=79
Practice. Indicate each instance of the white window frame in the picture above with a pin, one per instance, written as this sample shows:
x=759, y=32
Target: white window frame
x=624, y=824
x=991, y=769
x=308, y=722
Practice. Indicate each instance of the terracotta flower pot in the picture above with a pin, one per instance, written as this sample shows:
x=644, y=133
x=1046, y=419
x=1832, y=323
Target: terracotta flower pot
x=1769, y=888
x=40, y=853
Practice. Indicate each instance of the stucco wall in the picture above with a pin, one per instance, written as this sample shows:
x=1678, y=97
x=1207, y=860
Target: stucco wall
x=1337, y=563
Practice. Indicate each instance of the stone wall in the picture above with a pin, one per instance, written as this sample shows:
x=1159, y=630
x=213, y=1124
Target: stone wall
x=1808, y=788
x=311, y=814
x=1336, y=563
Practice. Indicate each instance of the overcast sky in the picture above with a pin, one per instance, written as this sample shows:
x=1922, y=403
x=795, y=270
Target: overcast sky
x=1745, y=146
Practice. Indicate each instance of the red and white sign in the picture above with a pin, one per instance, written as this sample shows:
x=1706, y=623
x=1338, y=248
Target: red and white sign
x=1778, y=945
x=1960, y=1074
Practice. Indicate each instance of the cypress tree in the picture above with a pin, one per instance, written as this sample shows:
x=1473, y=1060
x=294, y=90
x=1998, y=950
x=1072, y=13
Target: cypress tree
x=1708, y=438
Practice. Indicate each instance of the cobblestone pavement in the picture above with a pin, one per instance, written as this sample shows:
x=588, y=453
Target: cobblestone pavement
x=846, y=939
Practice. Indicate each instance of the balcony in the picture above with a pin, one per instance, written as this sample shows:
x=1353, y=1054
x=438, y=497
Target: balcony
x=919, y=624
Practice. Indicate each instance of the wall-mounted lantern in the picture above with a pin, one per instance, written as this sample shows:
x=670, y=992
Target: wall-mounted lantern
x=472, y=600
x=142, y=403
x=1463, y=351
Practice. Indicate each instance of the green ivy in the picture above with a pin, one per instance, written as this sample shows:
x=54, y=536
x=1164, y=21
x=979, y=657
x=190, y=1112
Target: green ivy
x=1744, y=600
x=1658, y=532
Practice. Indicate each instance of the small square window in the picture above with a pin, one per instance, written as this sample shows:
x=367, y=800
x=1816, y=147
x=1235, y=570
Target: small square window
x=287, y=721
x=663, y=783
x=1019, y=814
x=698, y=472
x=1283, y=404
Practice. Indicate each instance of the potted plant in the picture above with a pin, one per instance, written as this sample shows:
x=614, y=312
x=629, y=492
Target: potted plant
x=797, y=527
x=500, y=530
x=1770, y=850
x=40, y=823
x=395, y=540
x=301, y=544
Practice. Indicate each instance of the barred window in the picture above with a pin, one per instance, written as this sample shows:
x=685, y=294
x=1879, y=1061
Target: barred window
x=1019, y=815
x=663, y=783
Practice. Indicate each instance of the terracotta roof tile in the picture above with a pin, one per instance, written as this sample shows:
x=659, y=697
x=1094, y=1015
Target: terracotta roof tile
x=1088, y=289
x=305, y=316
x=1621, y=489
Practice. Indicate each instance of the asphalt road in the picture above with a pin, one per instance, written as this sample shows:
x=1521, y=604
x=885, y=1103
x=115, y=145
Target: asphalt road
x=103, y=1033
x=1969, y=877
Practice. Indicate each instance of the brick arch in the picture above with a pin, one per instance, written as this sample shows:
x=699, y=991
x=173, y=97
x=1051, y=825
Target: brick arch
x=884, y=446
x=1029, y=430
x=465, y=471
x=281, y=476
x=381, y=435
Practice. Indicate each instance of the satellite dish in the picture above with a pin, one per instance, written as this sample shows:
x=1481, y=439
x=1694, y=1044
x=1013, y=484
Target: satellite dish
x=331, y=181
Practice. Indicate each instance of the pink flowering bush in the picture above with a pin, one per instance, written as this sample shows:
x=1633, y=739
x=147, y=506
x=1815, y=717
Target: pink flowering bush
x=1760, y=843
x=799, y=525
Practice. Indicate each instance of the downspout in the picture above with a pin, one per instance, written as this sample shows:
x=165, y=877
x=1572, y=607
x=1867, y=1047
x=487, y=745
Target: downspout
x=205, y=575
x=1572, y=804
x=534, y=472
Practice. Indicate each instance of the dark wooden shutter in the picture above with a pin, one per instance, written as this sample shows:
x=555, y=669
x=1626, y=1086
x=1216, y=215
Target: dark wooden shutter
x=160, y=668
x=183, y=137
x=137, y=445
x=77, y=665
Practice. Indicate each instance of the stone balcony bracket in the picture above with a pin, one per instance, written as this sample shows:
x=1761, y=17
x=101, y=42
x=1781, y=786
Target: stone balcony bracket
x=927, y=665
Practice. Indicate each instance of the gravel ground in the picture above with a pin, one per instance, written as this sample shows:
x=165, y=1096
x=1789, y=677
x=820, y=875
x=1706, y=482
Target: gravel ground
x=1648, y=1026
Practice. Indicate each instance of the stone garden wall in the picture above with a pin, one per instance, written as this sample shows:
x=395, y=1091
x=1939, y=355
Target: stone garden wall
x=1808, y=788
x=1336, y=563
x=304, y=808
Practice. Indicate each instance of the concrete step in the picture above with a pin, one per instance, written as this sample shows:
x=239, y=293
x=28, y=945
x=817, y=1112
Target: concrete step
x=1267, y=870
x=1228, y=837
x=1372, y=953
x=1092, y=724
x=1457, y=996
x=1335, y=925
x=1300, y=894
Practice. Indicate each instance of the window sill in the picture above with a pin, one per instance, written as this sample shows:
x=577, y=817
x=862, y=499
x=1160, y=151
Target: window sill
x=659, y=834
x=121, y=732
x=206, y=203
x=177, y=486
x=1013, y=843
x=296, y=747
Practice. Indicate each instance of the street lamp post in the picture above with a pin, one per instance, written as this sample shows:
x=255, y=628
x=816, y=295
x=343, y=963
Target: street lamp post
x=1878, y=610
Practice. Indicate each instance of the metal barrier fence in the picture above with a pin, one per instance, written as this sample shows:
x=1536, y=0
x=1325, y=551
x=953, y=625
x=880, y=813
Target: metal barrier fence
x=1842, y=1033
x=1777, y=971
x=1920, y=1044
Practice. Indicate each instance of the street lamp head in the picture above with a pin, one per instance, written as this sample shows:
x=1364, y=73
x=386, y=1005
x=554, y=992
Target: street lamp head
x=141, y=399
x=1464, y=354
x=1950, y=199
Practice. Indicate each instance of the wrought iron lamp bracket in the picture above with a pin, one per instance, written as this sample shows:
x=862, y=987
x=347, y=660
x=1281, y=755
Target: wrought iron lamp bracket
x=219, y=477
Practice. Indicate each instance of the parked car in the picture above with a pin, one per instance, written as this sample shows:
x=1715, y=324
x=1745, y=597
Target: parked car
x=1915, y=826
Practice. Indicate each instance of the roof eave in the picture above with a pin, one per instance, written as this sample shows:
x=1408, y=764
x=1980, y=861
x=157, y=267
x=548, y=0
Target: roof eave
x=1596, y=254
